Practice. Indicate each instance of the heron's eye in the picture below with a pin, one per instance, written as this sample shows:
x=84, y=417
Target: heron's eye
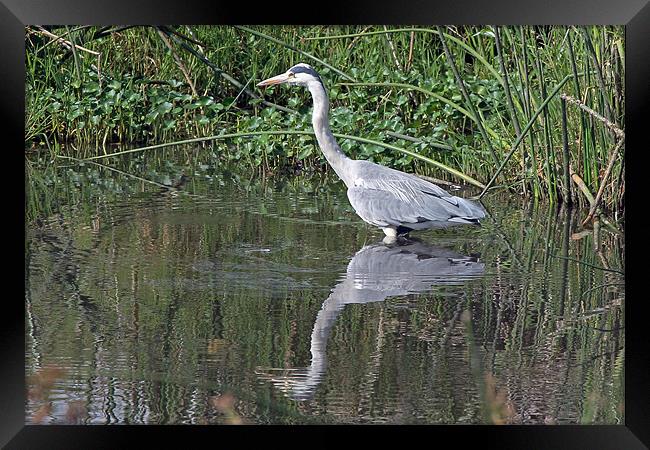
x=292, y=75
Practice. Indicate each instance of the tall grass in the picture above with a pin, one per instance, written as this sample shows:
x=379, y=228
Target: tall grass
x=456, y=95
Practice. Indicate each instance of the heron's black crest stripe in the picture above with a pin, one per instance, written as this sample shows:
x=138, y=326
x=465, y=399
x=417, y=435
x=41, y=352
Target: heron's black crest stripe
x=307, y=70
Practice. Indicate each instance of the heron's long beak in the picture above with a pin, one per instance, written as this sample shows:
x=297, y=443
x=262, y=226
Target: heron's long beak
x=283, y=78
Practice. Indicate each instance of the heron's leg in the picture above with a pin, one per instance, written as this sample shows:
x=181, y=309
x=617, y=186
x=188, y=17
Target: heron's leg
x=391, y=235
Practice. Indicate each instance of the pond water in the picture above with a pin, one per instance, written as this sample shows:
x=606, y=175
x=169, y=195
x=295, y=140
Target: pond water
x=265, y=300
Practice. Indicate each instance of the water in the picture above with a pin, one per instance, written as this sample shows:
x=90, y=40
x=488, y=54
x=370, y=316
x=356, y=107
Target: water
x=239, y=299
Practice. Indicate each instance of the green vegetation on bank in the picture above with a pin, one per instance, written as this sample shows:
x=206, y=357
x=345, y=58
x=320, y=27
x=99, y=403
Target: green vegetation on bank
x=474, y=99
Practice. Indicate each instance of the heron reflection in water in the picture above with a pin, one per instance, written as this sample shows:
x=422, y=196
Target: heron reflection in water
x=376, y=272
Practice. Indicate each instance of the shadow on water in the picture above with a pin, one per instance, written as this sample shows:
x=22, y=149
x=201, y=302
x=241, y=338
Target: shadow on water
x=375, y=273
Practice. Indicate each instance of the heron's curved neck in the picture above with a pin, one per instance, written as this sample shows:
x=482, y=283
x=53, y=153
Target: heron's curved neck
x=324, y=136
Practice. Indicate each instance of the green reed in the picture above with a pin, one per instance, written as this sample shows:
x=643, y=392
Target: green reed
x=456, y=95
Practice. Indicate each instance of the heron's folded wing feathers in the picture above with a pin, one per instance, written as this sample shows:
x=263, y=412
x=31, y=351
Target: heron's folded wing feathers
x=383, y=208
x=389, y=197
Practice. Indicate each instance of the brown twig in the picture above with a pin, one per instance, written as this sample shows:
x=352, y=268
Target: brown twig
x=178, y=61
x=69, y=45
x=411, y=44
x=357, y=38
x=583, y=187
x=601, y=189
x=192, y=39
x=619, y=134
x=609, y=124
x=438, y=181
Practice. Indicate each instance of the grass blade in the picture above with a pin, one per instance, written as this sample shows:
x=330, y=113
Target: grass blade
x=290, y=132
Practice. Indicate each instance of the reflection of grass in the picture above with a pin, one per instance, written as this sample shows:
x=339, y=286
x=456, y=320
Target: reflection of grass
x=225, y=404
x=497, y=408
x=40, y=387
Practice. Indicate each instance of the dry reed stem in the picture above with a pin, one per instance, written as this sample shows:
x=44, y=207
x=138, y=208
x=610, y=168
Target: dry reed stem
x=178, y=61
x=603, y=182
x=583, y=187
x=609, y=124
x=64, y=42
x=410, y=59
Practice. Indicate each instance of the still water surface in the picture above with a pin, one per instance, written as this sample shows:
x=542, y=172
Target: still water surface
x=267, y=301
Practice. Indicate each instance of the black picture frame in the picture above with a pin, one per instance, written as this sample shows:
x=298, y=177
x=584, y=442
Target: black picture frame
x=634, y=14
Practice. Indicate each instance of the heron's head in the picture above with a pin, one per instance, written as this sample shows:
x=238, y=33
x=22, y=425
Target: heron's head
x=300, y=74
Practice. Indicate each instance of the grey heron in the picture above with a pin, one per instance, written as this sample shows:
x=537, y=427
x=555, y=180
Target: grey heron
x=392, y=200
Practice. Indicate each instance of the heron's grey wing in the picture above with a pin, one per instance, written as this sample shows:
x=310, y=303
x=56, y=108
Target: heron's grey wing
x=383, y=208
x=387, y=197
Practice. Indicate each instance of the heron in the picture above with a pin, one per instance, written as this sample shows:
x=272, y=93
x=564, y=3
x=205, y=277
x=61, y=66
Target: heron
x=395, y=201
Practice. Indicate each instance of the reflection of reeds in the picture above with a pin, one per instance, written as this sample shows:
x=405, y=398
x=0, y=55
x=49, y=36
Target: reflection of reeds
x=43, y=380
x=496, y=406
x=225, y=404
x=499, y=408
x=39, y=392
